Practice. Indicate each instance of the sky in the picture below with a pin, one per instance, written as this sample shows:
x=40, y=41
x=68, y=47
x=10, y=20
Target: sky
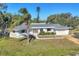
x=46, y=9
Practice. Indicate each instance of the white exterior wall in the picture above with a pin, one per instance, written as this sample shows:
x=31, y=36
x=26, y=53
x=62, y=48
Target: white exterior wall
x=58, y=32
x=35, y=34
x=62, y=32
x=45, y=30
x=38, y=31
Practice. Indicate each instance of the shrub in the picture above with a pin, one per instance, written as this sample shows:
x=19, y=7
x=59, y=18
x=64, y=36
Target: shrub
x=46, y=33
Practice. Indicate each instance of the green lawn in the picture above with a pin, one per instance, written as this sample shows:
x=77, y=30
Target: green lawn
x=13, y=47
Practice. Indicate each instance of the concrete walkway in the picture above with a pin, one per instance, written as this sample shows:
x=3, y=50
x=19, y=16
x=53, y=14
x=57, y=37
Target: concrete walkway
x=71, y=38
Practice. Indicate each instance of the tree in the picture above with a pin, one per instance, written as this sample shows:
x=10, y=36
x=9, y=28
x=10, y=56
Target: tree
x=64, y=19
x=23, y=11
x=26, y=15
x=38, y=11
x=27, y=18
x=3, y=7
x=4, y=19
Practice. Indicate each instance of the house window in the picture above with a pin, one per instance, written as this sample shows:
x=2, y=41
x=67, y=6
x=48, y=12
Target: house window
x=13, y=31
x=23, y=31
x=48, y=29
x=41, y=30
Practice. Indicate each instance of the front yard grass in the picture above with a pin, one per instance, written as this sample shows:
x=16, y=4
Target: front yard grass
x=58, y=47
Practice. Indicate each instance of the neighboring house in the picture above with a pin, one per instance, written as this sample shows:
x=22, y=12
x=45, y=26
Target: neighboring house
x=36, y=28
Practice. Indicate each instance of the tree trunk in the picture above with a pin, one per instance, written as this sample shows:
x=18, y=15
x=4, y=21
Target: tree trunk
x=28, y=33
x=38, y=17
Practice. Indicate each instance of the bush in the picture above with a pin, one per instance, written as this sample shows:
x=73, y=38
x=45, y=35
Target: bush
x=46, y=33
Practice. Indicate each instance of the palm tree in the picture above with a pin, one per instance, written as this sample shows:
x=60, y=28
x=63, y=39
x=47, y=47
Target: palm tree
x=23, y=11
x=38, y=11
x=27, y=18
x=26, y=15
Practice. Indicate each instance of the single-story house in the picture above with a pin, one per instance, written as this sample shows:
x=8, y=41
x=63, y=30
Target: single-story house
x=36, y=28
x=56, y=28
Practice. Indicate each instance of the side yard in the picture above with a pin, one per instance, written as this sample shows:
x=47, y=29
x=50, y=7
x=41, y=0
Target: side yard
x=55, y=47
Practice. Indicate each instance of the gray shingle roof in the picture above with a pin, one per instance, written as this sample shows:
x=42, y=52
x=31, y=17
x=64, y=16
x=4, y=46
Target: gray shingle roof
x=21, y=27
x=54, y=26
x=38, y=26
